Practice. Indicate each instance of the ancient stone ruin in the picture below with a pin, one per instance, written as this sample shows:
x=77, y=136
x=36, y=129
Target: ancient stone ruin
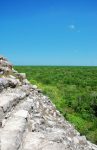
x=29, y=120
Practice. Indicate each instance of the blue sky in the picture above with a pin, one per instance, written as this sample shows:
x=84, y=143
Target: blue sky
x=49, y=32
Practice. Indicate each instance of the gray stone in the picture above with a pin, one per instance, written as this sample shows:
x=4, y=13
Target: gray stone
x=23, y=75
x=34, y=87
x=12, y=82
x=22, y=113
x=29, y=120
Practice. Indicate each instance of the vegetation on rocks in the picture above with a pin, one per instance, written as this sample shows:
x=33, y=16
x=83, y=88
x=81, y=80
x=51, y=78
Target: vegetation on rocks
x=74, y=92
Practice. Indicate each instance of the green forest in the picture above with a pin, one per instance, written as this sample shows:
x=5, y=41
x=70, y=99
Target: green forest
x=74, y=92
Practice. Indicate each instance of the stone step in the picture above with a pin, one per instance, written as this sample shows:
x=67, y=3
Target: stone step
x=39, y=141
x=10, y=81
x=54, y=141
x=56, y=137
x=8, y=100
x=12, y=132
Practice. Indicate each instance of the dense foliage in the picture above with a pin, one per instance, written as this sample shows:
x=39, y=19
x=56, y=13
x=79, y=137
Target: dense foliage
x=74, y=92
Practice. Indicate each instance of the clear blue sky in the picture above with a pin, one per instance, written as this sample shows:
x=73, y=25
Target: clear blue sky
x=49, y=32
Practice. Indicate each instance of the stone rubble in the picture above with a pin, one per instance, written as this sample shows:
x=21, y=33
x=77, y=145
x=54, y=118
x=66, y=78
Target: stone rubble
x=29, y=120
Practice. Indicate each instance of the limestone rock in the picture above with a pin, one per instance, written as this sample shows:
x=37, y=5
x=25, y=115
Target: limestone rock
x=29, y=120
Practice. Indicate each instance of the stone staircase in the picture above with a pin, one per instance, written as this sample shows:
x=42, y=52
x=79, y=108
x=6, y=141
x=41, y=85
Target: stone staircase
x=29, y=120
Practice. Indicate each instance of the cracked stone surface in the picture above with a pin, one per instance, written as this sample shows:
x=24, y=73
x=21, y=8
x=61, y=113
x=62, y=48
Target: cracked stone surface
x=29, y=120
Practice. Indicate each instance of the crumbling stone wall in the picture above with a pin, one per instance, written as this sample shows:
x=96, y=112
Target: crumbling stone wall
x=29, y=120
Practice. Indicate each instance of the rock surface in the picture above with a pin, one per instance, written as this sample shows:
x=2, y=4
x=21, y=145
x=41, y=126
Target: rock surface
x=29, y=120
